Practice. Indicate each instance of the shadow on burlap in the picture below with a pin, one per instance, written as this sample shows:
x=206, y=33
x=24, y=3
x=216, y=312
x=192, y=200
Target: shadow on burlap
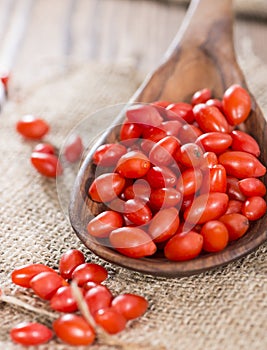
x=221, y=309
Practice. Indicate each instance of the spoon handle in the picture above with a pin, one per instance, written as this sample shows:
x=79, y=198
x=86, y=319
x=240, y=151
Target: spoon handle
x=201, y=55
x=207, y=23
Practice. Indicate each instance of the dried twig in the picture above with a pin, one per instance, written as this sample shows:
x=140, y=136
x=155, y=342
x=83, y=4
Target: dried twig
x=105, y=337
x=17, y=302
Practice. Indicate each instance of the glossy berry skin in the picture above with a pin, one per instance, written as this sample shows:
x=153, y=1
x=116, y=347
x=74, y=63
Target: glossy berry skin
x=234, y=206
x=133, y=165
x=130, y=132
x=215, y=236
x=98, y=298
x=137, y=211
x=216, y=103
x=74, y=330
x=132, y=242
x=163, y=151
x=63, y=300
x=144, y=114
x=106, y=187
x=46, y=164
x=107, y=221
x=73, y=149
x=109, y=154
x=165, y=197
x=160, y=103
x=254, y=208
x=233, y=190
x=23, y=275
x=245, y=143
x=189, y=182
x=181, y=111
x=131, y=306
x=189, y=133
x=69, y=261
x=252, y=187
x=146, y=146
x=159, y=177
x=44, y=148
x=171, y=127
x=201, y=96
x=216, y=142
x=154, y=133
x=110, y=320
x=89, y=285
x=164, y=224
x=241, y=164
x=236, y=224
x=89, y=272
x=217, y=179
x=45, y=284
x=190, y=155
x=236, y=104
x=206, y=207
x=140, y=189
x=184, y=246
x=209, y=160
x=210, y=119
x=30, y=333
x=31, y=127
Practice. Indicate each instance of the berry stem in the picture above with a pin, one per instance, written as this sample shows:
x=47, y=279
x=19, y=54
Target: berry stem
x=17, y=302
x=104, y=337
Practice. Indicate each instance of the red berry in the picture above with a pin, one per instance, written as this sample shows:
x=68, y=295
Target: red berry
x=184, y=246
x=23, y=275
x=131, y=306
x=74, y=330
x=69, y=261
x=30, y=333
x=107, y=221
x=106, y=187
x=63, y=300
x=201, y=96
x=44, y=148
x=110, y=320
x=132, y=242
x=73, y=149
x=236, y=104
x=109, y=154
x=45, y=284
x=46, y=164
x=215, y=236
x=97, y=298
x=32, y=127
x=89, y=272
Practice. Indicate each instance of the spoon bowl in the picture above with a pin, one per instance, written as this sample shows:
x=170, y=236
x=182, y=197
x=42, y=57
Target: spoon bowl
x=201, y=56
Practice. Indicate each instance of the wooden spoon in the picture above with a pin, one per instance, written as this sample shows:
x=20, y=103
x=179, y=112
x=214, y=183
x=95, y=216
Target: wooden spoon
x=202, y=55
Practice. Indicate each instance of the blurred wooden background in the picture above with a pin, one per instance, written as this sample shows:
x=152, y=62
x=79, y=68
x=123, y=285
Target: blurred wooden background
x=37, y=35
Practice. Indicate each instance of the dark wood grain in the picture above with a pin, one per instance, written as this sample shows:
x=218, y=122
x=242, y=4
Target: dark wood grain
x=202, y=55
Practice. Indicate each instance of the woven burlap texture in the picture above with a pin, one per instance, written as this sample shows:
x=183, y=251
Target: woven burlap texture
x=221, y=309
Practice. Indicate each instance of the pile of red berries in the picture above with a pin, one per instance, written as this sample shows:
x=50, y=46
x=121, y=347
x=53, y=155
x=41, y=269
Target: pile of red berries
x=44, y=157
x=181, y=179
x=108, y=312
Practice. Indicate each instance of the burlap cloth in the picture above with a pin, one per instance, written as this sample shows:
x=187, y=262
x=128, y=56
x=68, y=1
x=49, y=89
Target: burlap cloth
x=221, y=309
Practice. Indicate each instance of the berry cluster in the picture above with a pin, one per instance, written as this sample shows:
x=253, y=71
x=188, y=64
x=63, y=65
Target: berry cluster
x=182, y=179
x=108, y=312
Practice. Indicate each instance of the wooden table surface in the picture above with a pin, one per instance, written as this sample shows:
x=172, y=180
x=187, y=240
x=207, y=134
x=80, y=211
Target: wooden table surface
x=37, y=35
